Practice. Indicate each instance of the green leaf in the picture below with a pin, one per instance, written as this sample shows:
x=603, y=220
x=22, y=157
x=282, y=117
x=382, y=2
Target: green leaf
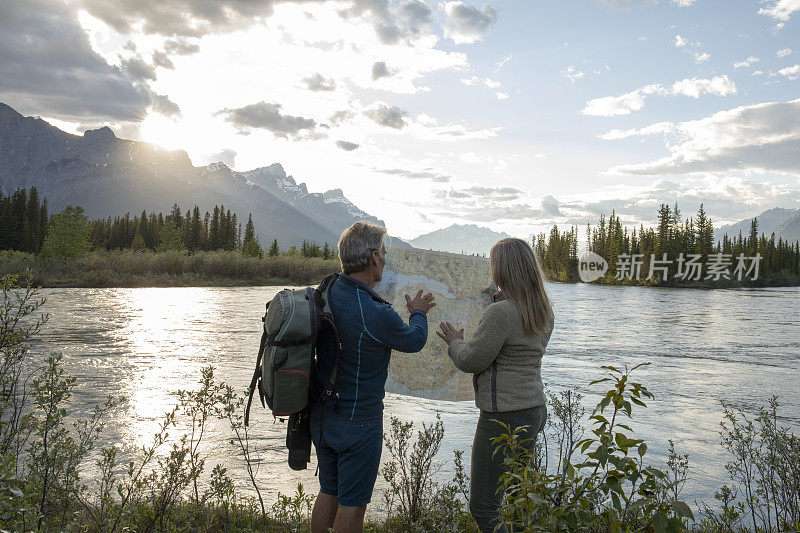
x=660, y=522
x=642, y=449
x=682, y=509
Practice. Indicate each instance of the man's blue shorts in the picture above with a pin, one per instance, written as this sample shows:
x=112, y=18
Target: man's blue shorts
x=348, y=454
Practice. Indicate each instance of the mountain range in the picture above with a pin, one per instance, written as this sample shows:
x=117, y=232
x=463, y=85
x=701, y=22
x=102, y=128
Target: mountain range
x=460, y=238
x=109, y=176
x=785, y=223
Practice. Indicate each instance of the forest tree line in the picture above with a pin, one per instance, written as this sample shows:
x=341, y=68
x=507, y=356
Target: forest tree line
x=23, y=221
x=673, y=236
x=25, y=226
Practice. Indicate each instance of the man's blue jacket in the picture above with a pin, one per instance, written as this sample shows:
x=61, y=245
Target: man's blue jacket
x=369, y=329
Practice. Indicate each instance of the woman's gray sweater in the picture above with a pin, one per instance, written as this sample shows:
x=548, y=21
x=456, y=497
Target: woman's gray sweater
x=506, y=361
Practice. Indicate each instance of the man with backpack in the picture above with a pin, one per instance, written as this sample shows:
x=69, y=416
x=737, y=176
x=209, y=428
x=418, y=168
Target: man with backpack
x=347, y=425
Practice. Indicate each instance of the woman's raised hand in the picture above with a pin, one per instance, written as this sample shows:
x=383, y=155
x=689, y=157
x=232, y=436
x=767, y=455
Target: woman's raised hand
x=448, y=333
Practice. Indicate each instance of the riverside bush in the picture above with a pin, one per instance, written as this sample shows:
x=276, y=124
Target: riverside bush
x=609, y=489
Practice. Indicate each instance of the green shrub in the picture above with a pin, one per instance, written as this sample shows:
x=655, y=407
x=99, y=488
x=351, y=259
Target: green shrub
x=609, y=489
x=414, y=501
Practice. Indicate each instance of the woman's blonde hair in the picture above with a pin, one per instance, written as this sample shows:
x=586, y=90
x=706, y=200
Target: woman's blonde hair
x=517, y=273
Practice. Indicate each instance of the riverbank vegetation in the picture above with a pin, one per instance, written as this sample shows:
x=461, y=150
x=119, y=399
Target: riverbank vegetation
x=658, y=250
x=575, y=478
x=128, y=268
x=68, y=250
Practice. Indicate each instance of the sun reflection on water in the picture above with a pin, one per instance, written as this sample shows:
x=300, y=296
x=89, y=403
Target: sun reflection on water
x=168, y=332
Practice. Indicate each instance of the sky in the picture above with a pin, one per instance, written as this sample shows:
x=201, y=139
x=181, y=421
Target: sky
x=514, y=115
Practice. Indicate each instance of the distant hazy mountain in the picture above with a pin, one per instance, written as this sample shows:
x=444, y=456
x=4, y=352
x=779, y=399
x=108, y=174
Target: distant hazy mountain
x=108, y=176
x=458, y=238
x=790, y=230
x=784, y=223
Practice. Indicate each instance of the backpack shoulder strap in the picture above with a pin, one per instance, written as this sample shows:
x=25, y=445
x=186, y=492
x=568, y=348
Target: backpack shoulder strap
x=323, y=293
x=257, y=372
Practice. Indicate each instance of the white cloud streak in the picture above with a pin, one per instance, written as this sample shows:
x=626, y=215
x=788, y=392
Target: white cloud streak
x=781, y=9
x=746, y=62
x=790, y=72
x=625, y=104
x=762, y=137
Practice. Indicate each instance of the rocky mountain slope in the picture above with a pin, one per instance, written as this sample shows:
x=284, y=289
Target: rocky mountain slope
x=108, y=176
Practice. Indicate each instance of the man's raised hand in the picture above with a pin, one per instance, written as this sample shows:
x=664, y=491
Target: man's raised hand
x=423, y=303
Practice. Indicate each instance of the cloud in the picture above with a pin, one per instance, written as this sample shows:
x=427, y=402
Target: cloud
x=658, y=127
x=424, y=174
x=692, y=48
x=340, y=116
x=550, y=206
x=318, y=82
x=725, y=198
x=783, y=52
x=163, y=105
x=487, y=204
x=790, y=72
x=48, y=68
x=386, y=115
x=609, y=106
x=467, y=24
x=683, y=3
x=572, y=74
x=781, y=9
x=161, y=59
x=180, y=47
x=226, y=156
x=379, y=70
x=497, y=193
x=501, y=63
x=624, y=104
x=485, y=82
x=263, y=115
x=701, y=57
x=746, y=62
x=410, y=19
x=694, y=87
x=182, y=18
x=139, y=68
x=763, y=137
x=346, y=145
x=416, y=15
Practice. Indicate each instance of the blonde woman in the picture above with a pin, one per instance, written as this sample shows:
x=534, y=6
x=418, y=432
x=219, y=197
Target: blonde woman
x=505, y=357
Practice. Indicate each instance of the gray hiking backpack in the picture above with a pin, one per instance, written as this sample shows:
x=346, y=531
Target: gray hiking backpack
x=285, y=360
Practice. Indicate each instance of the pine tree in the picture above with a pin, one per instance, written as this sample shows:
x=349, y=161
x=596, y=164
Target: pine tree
x=273, y=249
x=196, y=234
x=704, y=235
x=250, y=229
x=753, y=240
x=32, y=217
x=214, y=230
x=138, y=244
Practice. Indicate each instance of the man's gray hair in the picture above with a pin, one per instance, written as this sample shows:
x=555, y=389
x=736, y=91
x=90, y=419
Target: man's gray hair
x=357, y=244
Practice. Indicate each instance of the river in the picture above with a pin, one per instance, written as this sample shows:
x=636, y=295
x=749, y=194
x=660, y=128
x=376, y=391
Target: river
x=739, y=346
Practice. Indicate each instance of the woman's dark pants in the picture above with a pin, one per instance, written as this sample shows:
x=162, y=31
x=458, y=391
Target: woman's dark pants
x=484, y=499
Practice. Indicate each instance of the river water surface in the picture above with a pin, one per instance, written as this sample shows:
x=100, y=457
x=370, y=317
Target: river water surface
x=739, y=346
